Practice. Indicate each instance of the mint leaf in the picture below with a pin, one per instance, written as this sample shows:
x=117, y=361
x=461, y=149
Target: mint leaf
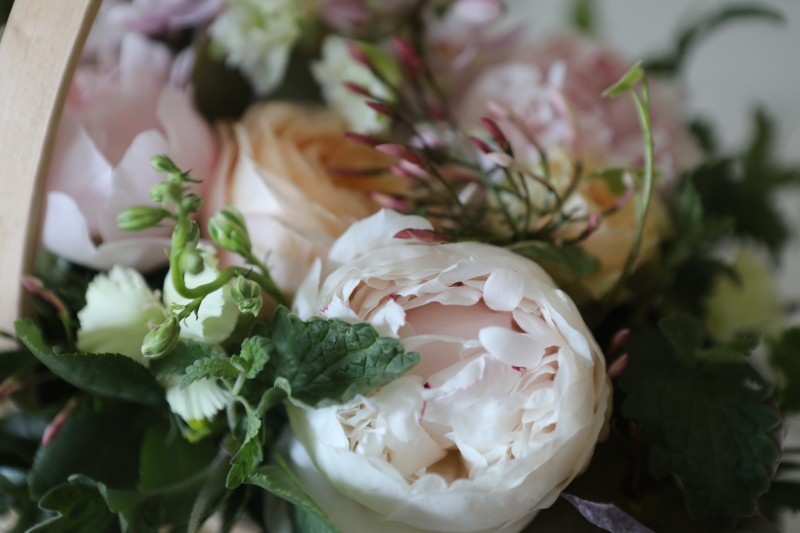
x=184, y=355
x=280, y=481
x=243, y=463
x=731, y=352
x=110, y=375
x=209, y=368
x=706, y=425
x=690, y=37
x=271, y=398
x=785, y=357
x=255, y=354
x=606, y=516
x=80, y=508
x=329, y=362
x=570, y=258
x=685, y=333
x=166, y=458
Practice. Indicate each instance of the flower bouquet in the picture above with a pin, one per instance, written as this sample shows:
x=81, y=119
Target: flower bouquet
x=360, y=266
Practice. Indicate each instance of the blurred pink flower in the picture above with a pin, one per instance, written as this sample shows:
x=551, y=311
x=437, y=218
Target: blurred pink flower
x=114, y=121
x=153, y=16
x=555, y=87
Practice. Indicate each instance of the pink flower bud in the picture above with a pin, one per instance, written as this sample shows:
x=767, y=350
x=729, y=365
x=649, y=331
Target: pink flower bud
x=618, y=367
x=399, y=171
x=494, y=130
x=619, y=342
x=408, y=54
x=362, y=139
x=390, y=202
x=54, y=428
x=500, y=159
x=37, y=288
x=591, y=225
x=401, y=152
x=482, y=146
x=357, y=89
x=382, y=109
x=423, y=235
x=358, y=54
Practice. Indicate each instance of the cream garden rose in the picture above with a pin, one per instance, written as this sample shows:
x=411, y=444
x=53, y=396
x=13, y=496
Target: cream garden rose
x=502, y=412
x=285, y=167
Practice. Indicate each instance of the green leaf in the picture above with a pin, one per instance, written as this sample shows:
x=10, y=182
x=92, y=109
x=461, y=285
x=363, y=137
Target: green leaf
x=307, y=522
x=690, y=37
x=280, y=481
x=706, y=425
x=184, y=355
x=329, y=362
x=731, y=352
x=782, y=496
x=81, y=510
x=685, y=333
x=167, y=458
x=785, y=357
x=271, y=398
x=102, y=445
x=209, y=368
x=243, y=463
x=583, y=16
x=627, y=83
x=110, y=375
x=13, y=362
x=570, y=258
x=255, y=354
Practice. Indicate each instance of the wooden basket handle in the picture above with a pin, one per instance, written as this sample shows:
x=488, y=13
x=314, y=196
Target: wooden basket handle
x=38, y=55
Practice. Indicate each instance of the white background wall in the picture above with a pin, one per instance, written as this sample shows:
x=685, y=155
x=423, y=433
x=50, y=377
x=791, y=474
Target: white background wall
x=743, y=65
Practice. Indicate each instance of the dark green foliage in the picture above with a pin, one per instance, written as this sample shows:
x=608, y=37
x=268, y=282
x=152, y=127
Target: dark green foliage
x=707, y=425
x=329, y=361
x=110, y=375
x=785, y=357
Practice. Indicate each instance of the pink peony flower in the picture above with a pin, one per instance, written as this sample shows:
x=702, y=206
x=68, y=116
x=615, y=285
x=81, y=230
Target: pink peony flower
x=555, y=87
x=114, y=121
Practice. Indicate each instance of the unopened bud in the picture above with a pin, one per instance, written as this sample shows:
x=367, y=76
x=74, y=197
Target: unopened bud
x=161, y=340
x=229, y=231
x=163, y=190
x=494, y=130
x=408, y=54
x=359, y=55
x=162, y=163
x=357, y=89
x=401, y=152
x=381, y=109
x=191, y=262
x=193, y=235
x=140, y=218
x=480, y=145
x=362, y=139
x=246, y=294
x=192, y=203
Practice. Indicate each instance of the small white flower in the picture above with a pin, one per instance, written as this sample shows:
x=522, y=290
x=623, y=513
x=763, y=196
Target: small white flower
x=199, y=401
x=120, y=310
x=257, y=37
x=338, y=66
x=216, y=317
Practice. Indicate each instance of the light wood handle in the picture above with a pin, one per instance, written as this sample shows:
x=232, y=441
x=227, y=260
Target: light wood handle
x=38, y=54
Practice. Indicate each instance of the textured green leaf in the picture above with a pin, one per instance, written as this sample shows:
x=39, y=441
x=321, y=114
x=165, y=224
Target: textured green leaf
x=570, y=258
x=81, y=510
x=280, y=481
x=706, y=425
x=736, y=350
x=331, y=361
x=209, y=368
x=110, y=375
x=685, y=333
x=254, y=355
x=693, y=35
x=184, y=355
x=243, y=463
x=103, y=446
x=785, y=357
x=270, y=399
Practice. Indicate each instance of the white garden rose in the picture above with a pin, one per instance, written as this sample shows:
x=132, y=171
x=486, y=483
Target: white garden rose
x=502, y=412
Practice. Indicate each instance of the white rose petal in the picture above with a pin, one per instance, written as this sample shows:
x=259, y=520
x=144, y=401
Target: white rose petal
x=502, y=412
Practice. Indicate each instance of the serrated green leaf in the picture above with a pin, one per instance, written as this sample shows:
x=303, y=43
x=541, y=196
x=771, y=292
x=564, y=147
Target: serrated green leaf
x=570, y=258
x=693, y=35
x=209, y=368
x=243, y=463
x=330, y=361
x=731, y=352
x=110, y=375
x=184, y=355
x=684, y=333
x=706, y=425
x=81, y=510
x=271, y=398
x=785, y=357
x=280, y=481
x=627, y=83
x=254, y=355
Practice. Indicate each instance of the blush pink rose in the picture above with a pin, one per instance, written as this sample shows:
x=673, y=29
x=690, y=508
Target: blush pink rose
x=114, y=121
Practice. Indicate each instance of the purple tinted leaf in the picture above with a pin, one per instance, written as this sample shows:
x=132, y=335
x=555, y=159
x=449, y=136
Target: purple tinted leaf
x=606, y=516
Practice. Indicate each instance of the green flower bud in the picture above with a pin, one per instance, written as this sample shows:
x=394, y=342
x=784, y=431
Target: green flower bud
x=246, y=294
x=193, y=236
x=140, y=218
x=161, y=340
x=191, y=261
x=192, y=202
x=162, y=163
x=161, y=191
x=229, y=231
